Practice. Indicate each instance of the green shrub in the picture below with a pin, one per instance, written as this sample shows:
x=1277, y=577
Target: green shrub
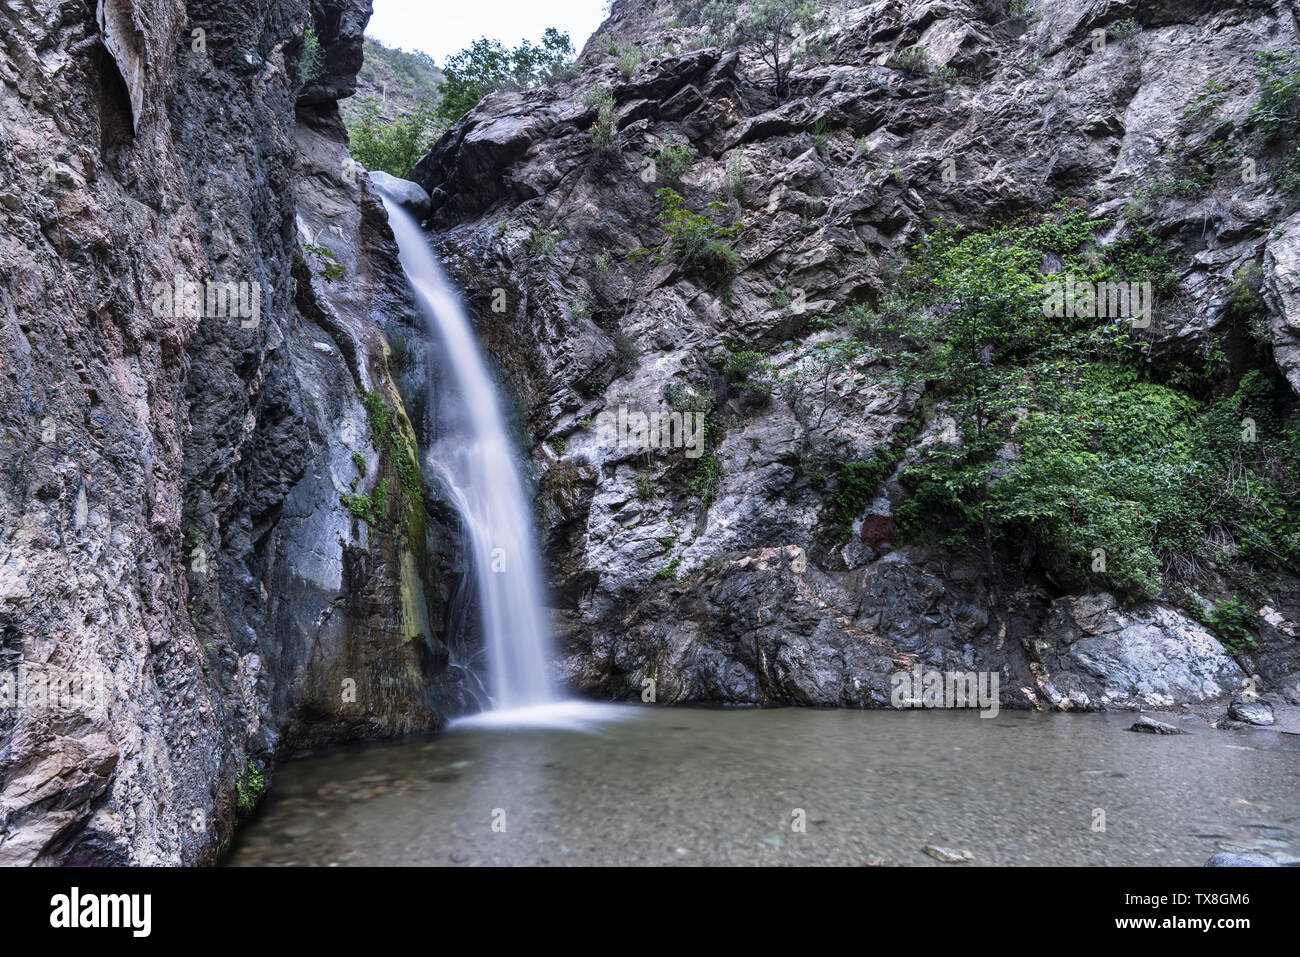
x=674, y=160
x=542, y=241
x=646, y=490
x=913, y=60
x=331, y=269
x=604, y=132
x=629, y=61
x=1230, y=620
x=370, y=508
x=696, y=242
x=821, y=134
x=749, y=372
x=943, y=76
x=249, y=788
x=736, y=180
x=1065, y=438
x=394, y=147
x=669, y=571
x=311, y=61
x=1123, y=29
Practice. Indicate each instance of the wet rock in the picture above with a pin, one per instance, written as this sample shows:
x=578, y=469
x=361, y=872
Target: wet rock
x=1149, y=725
x=1251, y=710
x=877, y=530
x=176, y=478
x=948, y=855
x=410, y=196
x=1282, y=288
x=1240, y=860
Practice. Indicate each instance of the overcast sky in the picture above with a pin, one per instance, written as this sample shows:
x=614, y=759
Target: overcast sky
x=443, y=27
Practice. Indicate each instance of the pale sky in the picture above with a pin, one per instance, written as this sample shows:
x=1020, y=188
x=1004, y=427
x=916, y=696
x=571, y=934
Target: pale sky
x=443, y=27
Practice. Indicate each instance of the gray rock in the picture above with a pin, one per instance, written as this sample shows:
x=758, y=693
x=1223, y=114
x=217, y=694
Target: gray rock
x=1096, y=654
x=177, y=536
x=948, y=855
x=410, y=196
x=1151, y=726
x=1241, y=860
x=1251, y=710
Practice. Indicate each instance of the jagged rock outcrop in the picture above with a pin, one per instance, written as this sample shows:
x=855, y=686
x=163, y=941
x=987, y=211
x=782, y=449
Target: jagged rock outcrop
x=536, y=208
x=174, y=539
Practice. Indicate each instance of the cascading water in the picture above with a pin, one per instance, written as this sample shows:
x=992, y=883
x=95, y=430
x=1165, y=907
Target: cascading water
x=473, y=461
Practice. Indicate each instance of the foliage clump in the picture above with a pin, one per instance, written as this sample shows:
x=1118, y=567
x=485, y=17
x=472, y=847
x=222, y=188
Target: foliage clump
x=486, y=66
x=769, y=28
x=695, y=241
x=1060, y=434
x=392, y=146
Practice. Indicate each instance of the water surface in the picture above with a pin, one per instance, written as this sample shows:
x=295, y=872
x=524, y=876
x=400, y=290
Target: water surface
x=692, y=786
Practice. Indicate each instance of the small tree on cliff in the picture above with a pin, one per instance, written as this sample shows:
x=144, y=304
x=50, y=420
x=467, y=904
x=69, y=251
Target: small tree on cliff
x=768, y=27
x=486, y=66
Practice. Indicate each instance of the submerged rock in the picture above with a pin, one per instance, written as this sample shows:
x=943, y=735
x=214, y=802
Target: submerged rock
x=1225, y=859
x=947, y=855
x=1151, y=726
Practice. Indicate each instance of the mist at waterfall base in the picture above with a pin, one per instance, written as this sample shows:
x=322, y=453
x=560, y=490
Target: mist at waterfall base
x=472, y=460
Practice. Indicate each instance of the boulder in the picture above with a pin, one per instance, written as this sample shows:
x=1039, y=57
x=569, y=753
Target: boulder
x=410, y=196
x=1152, y=726
x=1096, y=654
x=1251, y=710
x=1241, y=860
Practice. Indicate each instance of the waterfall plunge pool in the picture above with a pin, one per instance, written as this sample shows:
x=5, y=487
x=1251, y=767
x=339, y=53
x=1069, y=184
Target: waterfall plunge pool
x=655, y=785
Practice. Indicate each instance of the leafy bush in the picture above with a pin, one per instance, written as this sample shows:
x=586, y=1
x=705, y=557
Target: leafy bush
x=646, y=490
x=697, y=242
x=674, y=159
x=736, y=180
x=331, y=269
x=1063, y=437
x=707, y=473
x=821, y=133
x=943, y=76
x=629, y=61
x=604, y=132
x=486, y=66
x=1123, y=29
x=912, y=60
x=1275, y=120
x=371, y=507
x=392, y=147
x=748, y=371
x=888, y=325
x=542, y=242
x=1230, y=620
x=249, y=788
x=311, y=60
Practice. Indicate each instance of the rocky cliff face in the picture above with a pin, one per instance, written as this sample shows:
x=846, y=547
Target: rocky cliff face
x=176, y=545
x=216, y=545
x=731, y=584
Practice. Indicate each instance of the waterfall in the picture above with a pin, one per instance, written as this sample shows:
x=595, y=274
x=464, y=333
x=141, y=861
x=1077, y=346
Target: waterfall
x=472, y=459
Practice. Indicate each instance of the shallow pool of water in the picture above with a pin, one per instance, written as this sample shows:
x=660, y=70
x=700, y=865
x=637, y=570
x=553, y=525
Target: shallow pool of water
x=662, y=785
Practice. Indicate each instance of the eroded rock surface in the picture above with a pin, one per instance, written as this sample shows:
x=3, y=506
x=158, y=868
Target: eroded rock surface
x=833, y=185
x=173, y=537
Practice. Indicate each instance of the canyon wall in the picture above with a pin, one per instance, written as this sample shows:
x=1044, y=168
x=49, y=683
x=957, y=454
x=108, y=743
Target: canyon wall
x=176, y=541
